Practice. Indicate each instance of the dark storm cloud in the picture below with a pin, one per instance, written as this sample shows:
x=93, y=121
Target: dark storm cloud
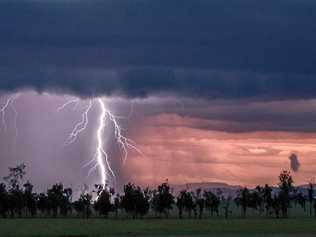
x=189, y=48
x=294, y=162
x=143, y=82
x=239, y=115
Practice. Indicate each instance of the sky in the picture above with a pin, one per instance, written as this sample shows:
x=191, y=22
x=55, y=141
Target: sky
x=209, y=90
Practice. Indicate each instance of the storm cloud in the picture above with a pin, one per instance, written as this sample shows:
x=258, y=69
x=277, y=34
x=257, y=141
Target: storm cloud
x=294, y=162
x=207, y=49
x=229, y=87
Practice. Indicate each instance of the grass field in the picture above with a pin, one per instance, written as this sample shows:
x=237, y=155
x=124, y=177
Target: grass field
x=149, y=227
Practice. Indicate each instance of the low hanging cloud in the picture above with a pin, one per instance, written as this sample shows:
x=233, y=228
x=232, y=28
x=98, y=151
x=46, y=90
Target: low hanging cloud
x=144, y=82
x=196, y=48
x=294, y=163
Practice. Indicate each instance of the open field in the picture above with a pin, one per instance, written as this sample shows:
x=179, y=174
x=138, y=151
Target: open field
x=148, y=227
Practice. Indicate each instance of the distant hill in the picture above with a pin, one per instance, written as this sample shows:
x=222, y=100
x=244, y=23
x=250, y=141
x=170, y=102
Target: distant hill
x=225, y=189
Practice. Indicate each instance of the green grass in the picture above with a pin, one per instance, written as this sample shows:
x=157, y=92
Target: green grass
x=149, y=227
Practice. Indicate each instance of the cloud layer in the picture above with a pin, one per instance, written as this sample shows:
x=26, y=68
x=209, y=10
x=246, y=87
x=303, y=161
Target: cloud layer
x=184, y=154
x=207, y=49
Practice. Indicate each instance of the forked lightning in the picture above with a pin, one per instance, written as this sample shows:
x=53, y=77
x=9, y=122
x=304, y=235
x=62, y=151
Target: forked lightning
x=101, y=157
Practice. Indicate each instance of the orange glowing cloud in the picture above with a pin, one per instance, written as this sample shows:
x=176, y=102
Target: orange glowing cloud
x=175, y=148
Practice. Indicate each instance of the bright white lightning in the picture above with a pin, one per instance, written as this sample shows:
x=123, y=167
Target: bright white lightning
x=101, y=158
x=3, y=111
x=15, y=119
x=123, y=141
x=101, y=155
x=9, y=103
x=81, y=126
x=74, y=101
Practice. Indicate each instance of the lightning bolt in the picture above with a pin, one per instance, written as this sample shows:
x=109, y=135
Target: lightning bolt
x=123, y=141
x=73, y=101
x=101, y=157
x=15, y=118
x=81, y=126
x=9, y=103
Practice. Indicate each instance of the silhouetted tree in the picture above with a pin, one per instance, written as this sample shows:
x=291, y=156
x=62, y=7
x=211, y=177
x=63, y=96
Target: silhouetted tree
x=128, y=199
x=189, y=203
x=226, y=201
x=258, y=199
x=276, y=205
x=180, y=203
x=66, y=203
x=244, y=200
x=301, y=200
x=163, y=199
x=143, y=202
x=135, y=201
x=83, y=205
x=200, y=202
x=117, y=204
x=43, y=204
x=30, y=199
x=4, y=202
x=310, y=197
x=267, y=198
x=59, y=199
x=212, y=202
x=286, y=186
x=314, y=209
x=16, y=175
x=15, y=194
x=19, y=199
x=103, y=203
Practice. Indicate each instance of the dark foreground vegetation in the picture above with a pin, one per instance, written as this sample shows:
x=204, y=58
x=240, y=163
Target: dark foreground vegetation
x=303, y=227
x=18, y=200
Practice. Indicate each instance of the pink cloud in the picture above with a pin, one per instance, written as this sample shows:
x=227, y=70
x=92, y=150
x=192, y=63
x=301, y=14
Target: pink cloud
x=175, y=149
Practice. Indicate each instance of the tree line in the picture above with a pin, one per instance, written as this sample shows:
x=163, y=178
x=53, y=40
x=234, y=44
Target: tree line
x=18, y=199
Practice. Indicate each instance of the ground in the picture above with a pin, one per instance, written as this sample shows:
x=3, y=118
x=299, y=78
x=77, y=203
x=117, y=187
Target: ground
x=148, y=227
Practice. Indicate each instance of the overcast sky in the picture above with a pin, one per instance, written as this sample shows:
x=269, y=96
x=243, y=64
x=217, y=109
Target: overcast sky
x=215, y=86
